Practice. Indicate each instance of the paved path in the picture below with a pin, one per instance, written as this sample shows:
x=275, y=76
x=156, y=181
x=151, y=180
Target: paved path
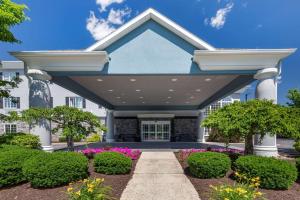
x=159, y=176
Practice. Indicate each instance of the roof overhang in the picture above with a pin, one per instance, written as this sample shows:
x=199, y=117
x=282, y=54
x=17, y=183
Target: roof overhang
x=243, y=59
x=63, y=60
x=142, y=18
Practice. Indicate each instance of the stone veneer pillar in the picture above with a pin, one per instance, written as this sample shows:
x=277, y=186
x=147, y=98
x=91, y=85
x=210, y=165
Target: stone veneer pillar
x=201, y=117
x=40, y=97
x=110, y=126
x=266, y=89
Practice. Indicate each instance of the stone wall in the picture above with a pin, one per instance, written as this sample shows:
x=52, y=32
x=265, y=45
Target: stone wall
x=185, y=129
x=126, y=129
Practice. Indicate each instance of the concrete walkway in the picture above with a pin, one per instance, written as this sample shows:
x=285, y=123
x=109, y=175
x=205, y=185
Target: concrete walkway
x=159, y=176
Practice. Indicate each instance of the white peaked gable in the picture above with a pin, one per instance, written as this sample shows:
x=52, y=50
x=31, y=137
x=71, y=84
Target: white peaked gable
x=142, y=18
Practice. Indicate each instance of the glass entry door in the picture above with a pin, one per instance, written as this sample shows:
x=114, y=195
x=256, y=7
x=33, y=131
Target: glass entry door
x=156, y=130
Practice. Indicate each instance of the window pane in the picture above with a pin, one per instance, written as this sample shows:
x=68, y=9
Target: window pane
x=9, y=76
x=76, y=102
x=10, y=102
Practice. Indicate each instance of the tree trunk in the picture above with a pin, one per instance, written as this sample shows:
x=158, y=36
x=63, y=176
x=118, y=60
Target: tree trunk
x=70, y=143
x=249, y=144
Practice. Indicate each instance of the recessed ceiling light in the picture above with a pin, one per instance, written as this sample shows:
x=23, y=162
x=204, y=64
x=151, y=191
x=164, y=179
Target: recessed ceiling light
x=141, y=97
x=118, y=97
x=99, y=79
x=167, y=102
x=123, y=102
x=187, y=102
x=208, y=79
x=171, y=90
x=198, y=90
x=192, y=97
x=169, y=97
x=132, y=79
x=174, y=79
x=110, y=90
x=138, y=90
x=143, y=102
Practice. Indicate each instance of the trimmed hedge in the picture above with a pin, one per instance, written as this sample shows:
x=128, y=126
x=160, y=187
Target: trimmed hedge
x=21, y=139
x=11, y=161
x=209, y=164
x=112, y=163
x=273, y=173
x=298, y=166
x=55, y=169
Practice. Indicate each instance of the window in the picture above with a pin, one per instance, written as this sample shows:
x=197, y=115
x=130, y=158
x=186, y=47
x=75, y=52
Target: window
x=11, y=102
x=10, y=128
x=9, y=76
x=76, y=102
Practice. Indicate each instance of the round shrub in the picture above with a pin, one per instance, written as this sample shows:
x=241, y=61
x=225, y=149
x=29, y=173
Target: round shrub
x=11, y=161
x=55, y=169
x=273, y=173
x=297, y=146
x=112, y=163
x=209, y=164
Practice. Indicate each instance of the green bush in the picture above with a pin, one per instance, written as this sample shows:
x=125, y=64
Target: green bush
x=298, y=165
x=55, y=169
x=273, y=173
x=209, y=164
x=297, y=146
x=112, y=163
x=75, y=139
x=11, y=161
x=21, y=139
x=94, y=138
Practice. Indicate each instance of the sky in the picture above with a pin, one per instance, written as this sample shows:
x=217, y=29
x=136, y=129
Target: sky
x=77, y=24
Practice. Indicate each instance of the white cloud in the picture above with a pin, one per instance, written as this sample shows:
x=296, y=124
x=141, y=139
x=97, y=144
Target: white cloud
x=105, y=3
x=99, y=28
x=117, y=16
x=219, y=20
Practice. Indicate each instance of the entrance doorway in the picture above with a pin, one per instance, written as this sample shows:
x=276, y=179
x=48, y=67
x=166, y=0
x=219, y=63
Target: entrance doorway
x=156, y=130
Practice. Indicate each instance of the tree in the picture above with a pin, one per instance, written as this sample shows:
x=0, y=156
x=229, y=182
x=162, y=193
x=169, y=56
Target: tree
x=294, y=97
x=70, y=121
x=11, y=14
x=254, y=117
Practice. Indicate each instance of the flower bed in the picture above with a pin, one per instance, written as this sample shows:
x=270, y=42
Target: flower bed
x=133, y=154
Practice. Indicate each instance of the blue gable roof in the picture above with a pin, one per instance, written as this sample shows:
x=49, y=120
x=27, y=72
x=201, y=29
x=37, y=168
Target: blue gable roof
x=150, y=49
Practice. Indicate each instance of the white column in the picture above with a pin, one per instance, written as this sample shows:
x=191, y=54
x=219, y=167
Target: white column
x=266, y=89
x=200, y=136
x=40, y=97
x=110, y=126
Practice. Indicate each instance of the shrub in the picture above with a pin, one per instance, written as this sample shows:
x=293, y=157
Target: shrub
x=92, y=189
x=112, y=163
x=209, y=164
x=21, y=139
x=11, y=161
x=94, y=138
x=55, y=169
x=274, y=173
x=75, y=139
x=297, y=146
x=298, y=165
x=133, y=154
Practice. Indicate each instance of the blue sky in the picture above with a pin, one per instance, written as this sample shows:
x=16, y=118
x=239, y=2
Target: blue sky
x=74, y=24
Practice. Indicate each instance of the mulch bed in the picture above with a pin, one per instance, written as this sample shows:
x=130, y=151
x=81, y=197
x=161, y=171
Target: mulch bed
x=204, y=191
x=25, y=192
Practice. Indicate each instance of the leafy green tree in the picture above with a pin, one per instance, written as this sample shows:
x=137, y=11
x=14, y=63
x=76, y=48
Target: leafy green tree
x=11, y=14
x=72, y=122
x=294, y=97
x=250, y=118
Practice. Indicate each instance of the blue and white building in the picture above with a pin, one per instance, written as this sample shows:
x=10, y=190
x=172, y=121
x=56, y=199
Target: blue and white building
x=155, y=79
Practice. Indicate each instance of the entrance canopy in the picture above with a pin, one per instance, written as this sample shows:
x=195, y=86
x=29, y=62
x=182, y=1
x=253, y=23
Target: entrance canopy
x=151, y=63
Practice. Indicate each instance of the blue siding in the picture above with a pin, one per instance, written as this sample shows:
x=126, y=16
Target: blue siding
x=150, y=49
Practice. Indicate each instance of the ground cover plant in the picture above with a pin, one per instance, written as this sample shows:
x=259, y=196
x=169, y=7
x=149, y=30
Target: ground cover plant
x=209, y=164
x=54, y=169
x=112, y=163
x=21, y=139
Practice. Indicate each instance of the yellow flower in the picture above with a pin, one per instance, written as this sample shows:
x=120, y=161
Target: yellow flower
x=99, y=180
x=90, y=190
x=258, y=194
x=228, y=190
x=70, y=189
x=226, y=198
x=78, y=193
x=241, y=190
x=85, y=180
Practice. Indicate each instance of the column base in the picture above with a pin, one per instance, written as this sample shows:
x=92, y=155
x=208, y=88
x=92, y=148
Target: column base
x=110, y=140
x=268, y=151
x=48, y=148
x=201, y=140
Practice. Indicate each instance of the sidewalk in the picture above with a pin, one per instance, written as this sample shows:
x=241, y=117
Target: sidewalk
x=159, y=176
